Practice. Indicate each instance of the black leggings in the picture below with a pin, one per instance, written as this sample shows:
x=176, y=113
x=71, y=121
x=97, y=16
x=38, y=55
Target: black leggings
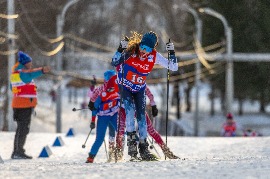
x=23, y=118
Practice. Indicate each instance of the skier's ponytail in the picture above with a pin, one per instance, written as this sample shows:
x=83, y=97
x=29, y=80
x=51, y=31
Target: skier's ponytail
x=134, y=41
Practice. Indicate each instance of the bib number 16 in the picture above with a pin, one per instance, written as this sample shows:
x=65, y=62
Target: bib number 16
x=135, y=78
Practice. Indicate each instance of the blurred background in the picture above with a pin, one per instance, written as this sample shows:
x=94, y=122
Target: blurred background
x=222, y=46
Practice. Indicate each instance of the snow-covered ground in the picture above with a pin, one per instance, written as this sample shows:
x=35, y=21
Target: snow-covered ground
x=203, y=157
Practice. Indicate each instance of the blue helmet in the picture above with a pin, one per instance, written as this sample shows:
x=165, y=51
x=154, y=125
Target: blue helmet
x=149, y=39
x=24, y=58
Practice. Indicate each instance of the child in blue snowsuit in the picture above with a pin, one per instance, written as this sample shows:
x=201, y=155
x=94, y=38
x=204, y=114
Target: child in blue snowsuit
x=106, y=105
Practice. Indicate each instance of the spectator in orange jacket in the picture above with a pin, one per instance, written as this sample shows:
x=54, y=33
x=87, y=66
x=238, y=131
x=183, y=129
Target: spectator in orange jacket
x=24, y=100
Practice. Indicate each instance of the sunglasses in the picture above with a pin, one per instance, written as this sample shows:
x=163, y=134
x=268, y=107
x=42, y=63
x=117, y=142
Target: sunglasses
x=146, y=48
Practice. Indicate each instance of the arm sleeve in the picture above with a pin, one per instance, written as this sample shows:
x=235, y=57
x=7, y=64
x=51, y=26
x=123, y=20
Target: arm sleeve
x=96, y=93
x=93, y=118
x=94, y=113
x=116, y=59
x=28, y=75
x=119, y=58
x=173, y=65
x=96, y=105
x=150, y=96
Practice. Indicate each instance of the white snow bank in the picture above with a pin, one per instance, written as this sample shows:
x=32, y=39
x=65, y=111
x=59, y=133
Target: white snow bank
x=200, y=158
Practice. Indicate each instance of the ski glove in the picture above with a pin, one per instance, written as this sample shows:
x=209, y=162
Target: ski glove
x=123, y=45
x=92, y=125
x=91, y=106
x=154, y=111
x=170, y=47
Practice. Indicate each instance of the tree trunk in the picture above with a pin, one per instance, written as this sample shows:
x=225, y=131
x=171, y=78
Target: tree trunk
x=70, y=95
x=262, y=102
x=212, y=98
x=222, y=101
x=188, y=103
x=177, y=95
x=75, y=95
x=240, y=112
x=5, y=114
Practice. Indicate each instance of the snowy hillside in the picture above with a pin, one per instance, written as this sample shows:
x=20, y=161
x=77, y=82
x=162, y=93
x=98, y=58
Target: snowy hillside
x=200, y=158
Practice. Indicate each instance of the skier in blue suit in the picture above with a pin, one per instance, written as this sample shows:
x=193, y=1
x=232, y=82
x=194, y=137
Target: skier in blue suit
x=106, y=104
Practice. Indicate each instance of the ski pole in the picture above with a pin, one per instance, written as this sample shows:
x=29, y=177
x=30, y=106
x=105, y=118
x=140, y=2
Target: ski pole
x=168, y=80
x=74, y=109
x=106, y=149
x=154, y=125
x=83, y=146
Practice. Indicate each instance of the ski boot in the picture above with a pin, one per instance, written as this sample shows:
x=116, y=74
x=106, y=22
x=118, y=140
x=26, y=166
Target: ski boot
x=168, y=153
x=111, y=151
x=90, y=159
x=119, y=153
x=20, y=155
x=132, y=144
x=120, y=147
x=145, y=153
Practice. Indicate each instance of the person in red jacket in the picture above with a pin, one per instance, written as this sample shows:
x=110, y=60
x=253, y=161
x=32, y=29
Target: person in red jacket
x=229, y=127
x=24, y=99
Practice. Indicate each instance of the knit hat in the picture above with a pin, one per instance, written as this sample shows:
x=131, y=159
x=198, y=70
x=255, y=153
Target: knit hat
x=108, y=74
x=24, y=58
x=112, y=83
x=149, y=39
x=229, y=116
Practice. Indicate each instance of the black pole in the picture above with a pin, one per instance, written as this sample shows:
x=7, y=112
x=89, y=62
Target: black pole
x=83, y=146
x=167, y=110
x=74, y=109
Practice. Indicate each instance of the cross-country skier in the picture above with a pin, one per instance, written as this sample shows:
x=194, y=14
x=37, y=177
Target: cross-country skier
x=136, y=62
x=229, y=127
x=94, y=93
x=107, y=104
